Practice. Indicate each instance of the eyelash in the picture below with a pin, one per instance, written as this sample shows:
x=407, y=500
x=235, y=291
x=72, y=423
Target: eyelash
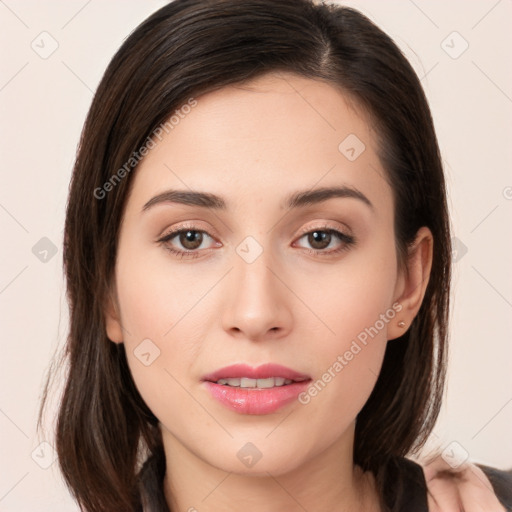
x=348, y=241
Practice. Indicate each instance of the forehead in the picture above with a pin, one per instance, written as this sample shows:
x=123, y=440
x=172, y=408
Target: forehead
x=264, y=139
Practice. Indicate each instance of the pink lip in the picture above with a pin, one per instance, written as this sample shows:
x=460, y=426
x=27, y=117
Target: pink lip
x=256, y=400
x=264, y=371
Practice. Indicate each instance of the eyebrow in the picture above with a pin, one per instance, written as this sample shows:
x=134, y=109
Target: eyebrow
x=296, y=200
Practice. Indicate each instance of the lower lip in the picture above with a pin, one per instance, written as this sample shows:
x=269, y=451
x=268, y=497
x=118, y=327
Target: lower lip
x=256, y=400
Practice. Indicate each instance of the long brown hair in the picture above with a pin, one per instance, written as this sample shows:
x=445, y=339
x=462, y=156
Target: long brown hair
x=189, y=47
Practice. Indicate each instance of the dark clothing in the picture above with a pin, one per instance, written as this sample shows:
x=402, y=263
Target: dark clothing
x=414, y=497
x=502, y=483
x=405, y=484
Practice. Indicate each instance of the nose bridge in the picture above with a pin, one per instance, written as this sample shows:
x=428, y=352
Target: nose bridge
x=256, y=302
x=253, y=267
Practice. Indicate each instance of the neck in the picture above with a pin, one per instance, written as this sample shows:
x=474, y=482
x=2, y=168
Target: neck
x=327, y=481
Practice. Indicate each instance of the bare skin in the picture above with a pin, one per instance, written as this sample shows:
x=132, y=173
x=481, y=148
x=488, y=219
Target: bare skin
x=254, y=146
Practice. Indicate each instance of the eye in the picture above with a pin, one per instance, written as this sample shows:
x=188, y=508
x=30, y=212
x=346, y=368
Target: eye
x=190, y=239
x=327, y=241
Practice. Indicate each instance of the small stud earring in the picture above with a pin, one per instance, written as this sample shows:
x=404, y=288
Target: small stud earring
x=401, y=324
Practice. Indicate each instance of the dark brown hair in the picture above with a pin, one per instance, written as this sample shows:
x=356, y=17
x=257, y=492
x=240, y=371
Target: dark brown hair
x=187, y=48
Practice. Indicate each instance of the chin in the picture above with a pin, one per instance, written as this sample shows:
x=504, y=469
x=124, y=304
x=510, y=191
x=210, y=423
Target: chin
x=255, y=458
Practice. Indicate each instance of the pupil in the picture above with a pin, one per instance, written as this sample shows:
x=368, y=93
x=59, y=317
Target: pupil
x=320, y=239
x=191, y=239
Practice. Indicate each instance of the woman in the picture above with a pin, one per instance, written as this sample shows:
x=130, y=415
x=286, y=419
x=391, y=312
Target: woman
x=257, y=253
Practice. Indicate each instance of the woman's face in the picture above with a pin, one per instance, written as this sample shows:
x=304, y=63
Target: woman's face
x=266, y=278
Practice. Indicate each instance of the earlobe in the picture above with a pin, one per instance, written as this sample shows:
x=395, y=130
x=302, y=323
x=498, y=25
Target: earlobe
x=413, y=283
x=113, y=321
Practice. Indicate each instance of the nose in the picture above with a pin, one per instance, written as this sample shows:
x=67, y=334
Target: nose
x=258, y=302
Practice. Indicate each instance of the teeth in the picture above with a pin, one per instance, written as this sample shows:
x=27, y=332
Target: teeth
x=279, y=381
x=246, y=382
x=229, y=382
x=267, y=383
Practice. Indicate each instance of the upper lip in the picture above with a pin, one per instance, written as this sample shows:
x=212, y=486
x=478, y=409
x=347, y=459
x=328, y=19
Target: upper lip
x=263, y=371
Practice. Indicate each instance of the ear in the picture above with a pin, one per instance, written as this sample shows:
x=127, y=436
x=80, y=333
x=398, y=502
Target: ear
x=412, y=282
x=113, y=319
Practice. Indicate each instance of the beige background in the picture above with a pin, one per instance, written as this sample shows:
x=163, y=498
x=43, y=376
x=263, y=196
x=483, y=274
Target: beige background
x=43, y=104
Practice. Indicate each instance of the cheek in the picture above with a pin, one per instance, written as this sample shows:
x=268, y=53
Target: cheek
x=348, y=365
x=354, y=296
x=160, y=308
x=356, y=301
x=158, y=296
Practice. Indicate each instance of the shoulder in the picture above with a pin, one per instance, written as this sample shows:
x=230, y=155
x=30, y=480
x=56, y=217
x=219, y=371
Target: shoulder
x=409, y=487
x=469, y=480
x=501, y=481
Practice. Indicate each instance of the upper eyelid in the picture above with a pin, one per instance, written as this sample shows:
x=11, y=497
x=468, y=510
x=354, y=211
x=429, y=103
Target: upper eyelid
x=326, y=225
x=307, y=229
x=190, y=225
x=174, y=232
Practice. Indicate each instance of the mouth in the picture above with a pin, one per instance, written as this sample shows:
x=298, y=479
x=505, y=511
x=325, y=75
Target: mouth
x=264, y=376
x=248, y=383
x=260, y=390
